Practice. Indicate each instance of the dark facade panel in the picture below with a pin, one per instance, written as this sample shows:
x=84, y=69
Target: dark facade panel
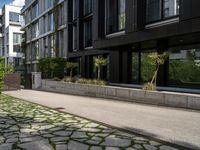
x=131, y=15
x=189, y=9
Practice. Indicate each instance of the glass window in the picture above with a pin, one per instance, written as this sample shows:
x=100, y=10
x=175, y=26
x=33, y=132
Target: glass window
x=50, y=22
x=184, y=68
x=35, y=30
x=147, y=68
x=48, y=4
x=35, y=51
x=17, y=38
x=153, y=10
x=88, y=33
x=75, y=8
x=61, y=15
x=75, y=37
x=135, y=67
x=17, y=48
x=115, y=15
x=35, y=11
x=61, y=45
x=170, y=8
x=122, y=16
x=87, y=7
x=14, y=17
x=161, y=9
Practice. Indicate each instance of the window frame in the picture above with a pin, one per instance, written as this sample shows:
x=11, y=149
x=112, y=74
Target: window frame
x=107, y=16
x=162, y=18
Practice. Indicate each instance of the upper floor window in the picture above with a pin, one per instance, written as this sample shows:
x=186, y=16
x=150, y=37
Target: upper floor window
x=75, y=9
x=17, y=38
x=61, y=15
x=115, y=15
x=48, y=4
x=14, y=17
x=88, y=33
x=35, y=11
x=161, y=9
x=87, y=7
x=50, y=22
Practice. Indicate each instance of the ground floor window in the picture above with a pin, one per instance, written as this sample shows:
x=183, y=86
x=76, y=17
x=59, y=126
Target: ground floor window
x=77, y=71
x=135, y=67
x=184, y=68
x=147, y=68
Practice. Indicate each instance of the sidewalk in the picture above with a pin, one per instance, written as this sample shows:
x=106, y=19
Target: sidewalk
x=176, y=126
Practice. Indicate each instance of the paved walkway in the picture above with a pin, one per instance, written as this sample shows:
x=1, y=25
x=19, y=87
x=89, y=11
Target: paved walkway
x=27, y=126
x=174, y=125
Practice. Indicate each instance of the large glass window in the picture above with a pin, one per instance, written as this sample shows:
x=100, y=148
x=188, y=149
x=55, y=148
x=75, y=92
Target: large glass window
x=75, y=9
x=161, y=9
x=184, y=68
x=61, y=15
x=147, y=68
x=50, y=22
x=74, y=37
x=115, y=15
x=35, y=51
x=35, y=30
x=35, y=11
x=88, y=33
x=14, y=17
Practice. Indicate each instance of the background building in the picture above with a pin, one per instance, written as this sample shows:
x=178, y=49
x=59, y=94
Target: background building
x=11, y=37
x=46, y=30
x=124, y=31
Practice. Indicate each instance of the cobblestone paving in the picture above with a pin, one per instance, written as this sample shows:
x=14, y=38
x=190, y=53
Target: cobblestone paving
x=26, y=126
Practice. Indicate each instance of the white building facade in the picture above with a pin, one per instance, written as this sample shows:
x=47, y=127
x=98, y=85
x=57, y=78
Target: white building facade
x=11, y=36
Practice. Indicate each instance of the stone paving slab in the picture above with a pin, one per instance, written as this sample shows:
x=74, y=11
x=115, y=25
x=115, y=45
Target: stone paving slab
x=26, y=126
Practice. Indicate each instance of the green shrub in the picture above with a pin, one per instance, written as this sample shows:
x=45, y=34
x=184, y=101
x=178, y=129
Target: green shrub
x=69, y=79
x=90, y=81
x=149, y=86
x=52, y=67
x=56, y=79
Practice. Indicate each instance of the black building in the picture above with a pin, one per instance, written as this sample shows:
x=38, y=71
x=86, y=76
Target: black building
x=125, y=31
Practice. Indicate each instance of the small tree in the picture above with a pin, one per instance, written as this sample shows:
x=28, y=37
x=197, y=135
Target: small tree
x=156, y=59
x=1, y=73
x=71, y=66
x=99, y=63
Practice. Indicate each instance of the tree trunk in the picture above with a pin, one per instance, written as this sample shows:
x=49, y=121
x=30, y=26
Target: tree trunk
x=154, y=79
x=71, y=73
x=99, y=73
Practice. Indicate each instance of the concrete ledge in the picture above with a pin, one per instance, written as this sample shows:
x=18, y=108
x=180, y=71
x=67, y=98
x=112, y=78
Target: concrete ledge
x=171, y=99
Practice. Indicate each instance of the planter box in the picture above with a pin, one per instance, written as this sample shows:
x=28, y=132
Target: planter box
x=172, y=99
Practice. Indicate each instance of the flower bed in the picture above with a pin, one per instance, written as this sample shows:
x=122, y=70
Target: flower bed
x=172, y=99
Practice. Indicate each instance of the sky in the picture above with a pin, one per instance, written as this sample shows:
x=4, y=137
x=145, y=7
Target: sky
x=14, y=2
